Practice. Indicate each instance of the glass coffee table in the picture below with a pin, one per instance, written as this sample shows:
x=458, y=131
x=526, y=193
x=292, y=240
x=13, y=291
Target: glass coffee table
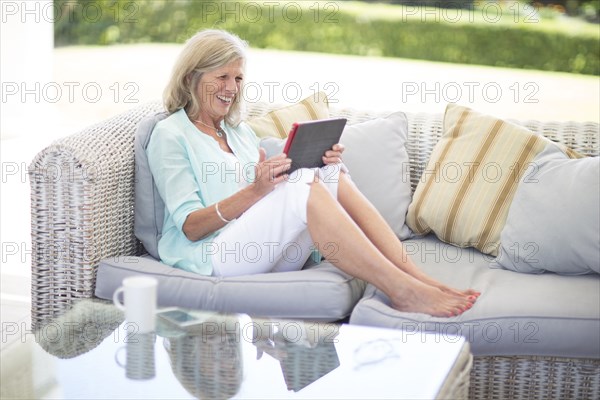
x=91, y=353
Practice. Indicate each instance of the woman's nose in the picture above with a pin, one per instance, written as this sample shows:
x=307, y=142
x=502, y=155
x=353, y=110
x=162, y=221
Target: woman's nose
x=231, y=86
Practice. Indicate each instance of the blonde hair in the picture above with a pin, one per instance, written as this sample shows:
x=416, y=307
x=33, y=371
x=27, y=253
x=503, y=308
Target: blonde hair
x=206, y=51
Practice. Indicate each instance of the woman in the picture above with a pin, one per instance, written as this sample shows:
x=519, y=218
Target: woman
x=231, y=211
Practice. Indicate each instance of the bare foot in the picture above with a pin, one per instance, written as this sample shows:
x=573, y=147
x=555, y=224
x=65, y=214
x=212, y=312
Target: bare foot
x=418, y=296
x=470, y=294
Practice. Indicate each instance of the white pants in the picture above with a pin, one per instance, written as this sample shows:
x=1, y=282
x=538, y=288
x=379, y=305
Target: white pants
x=272, y=235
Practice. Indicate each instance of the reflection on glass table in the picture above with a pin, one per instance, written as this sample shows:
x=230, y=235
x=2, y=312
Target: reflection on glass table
x=139, y=356
x=304, y=357
x=207, y=358
x=90, y=352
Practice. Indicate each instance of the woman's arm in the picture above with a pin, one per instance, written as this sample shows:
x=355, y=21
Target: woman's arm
x=268, y=173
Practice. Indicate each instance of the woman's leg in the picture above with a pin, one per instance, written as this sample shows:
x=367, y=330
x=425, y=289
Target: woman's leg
x=331, y=227
x=271, y=236
x=381, y=235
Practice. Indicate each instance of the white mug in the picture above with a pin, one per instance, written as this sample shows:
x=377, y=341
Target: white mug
x=139, y=297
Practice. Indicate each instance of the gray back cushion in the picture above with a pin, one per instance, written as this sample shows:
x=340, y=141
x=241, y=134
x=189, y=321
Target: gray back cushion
x=378, y=162
x=149, y=207
x=553, y=222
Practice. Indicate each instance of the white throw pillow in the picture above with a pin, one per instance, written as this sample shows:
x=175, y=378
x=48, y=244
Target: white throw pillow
x=378, y=163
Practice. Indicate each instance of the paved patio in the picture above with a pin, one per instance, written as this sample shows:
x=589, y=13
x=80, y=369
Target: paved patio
x=129, y=73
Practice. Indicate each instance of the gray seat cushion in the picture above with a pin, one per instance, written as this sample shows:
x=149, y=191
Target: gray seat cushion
x=517, y=314
x=320, y=293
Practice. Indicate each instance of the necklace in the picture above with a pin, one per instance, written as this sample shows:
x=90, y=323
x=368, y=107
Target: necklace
x=219, y=131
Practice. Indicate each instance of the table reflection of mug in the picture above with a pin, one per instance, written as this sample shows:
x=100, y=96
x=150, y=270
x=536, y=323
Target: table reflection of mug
x=139, y=361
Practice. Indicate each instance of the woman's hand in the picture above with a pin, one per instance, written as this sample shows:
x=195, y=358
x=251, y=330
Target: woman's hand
x=334, y=156
x=269, y=172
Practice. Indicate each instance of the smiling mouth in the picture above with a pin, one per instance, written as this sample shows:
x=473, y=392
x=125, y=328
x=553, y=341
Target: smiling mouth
x=226, y=100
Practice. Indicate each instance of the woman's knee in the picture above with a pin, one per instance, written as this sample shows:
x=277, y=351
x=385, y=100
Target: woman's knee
x=319, y=188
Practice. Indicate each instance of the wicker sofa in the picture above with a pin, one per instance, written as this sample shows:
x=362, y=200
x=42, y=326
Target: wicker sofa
x=82, y=210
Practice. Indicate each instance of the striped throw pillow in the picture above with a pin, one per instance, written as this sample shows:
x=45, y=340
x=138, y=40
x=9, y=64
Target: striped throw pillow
x=278, y=122
x=470, y=180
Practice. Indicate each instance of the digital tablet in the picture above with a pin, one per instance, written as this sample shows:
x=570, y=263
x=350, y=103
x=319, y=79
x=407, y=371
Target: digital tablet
x=308, y=141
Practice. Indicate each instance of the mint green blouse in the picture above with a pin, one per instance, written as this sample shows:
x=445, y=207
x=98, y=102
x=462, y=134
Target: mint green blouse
x=192, y=172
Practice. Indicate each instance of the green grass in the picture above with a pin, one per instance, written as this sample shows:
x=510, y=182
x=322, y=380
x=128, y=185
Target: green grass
x=510, y=15
x=514, y=36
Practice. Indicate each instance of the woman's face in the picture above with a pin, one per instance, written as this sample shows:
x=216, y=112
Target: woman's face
x=217, y=89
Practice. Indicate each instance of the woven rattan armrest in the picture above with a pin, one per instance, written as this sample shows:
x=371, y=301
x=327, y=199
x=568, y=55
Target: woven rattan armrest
x=81, y=210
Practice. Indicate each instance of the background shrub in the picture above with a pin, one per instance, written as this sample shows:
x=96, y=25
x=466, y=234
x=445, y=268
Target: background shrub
x=505, y=35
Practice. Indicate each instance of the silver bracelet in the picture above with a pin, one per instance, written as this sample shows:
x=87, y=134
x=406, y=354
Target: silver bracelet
x=221, y=215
